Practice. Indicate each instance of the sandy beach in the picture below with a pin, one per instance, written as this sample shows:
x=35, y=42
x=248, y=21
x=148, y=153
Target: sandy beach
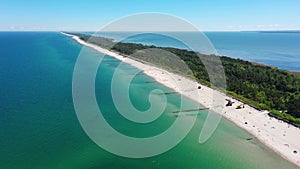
x=281, y=137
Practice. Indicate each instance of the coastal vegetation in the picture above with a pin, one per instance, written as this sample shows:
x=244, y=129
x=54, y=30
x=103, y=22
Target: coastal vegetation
x=263, y=87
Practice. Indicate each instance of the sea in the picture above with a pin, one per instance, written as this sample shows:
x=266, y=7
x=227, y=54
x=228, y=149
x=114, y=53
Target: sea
x=39, y=128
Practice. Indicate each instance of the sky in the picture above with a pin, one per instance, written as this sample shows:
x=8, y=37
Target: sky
x=90, y=15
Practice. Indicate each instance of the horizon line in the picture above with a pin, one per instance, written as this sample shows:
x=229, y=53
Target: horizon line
x=258, y=30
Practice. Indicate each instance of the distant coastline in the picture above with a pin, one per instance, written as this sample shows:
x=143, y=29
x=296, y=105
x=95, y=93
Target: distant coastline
x=281, y=31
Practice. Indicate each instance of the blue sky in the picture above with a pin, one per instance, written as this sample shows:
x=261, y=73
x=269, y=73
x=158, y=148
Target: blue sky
x=205, y=14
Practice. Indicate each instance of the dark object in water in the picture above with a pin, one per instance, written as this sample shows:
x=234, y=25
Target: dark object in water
x=151, y=82
x=167, y=93
x=249, y=138
x=205, y=108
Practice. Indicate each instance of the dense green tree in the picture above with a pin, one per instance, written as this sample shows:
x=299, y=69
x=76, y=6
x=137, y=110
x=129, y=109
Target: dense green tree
x=294, y=106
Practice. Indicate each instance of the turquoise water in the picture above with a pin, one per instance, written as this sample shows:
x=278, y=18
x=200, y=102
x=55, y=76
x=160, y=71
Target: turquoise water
x=280, y=49
x=39, y=128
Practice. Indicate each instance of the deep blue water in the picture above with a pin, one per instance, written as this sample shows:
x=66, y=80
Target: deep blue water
x=39, y=128
x=280, y=49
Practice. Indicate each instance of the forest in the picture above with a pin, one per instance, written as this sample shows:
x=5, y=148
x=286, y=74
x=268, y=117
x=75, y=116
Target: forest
x=263, y=87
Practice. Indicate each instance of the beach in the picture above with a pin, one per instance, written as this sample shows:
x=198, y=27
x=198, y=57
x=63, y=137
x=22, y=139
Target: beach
x=281, y=137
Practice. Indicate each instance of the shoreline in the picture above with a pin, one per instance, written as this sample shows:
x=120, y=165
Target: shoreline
x=281, y=137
